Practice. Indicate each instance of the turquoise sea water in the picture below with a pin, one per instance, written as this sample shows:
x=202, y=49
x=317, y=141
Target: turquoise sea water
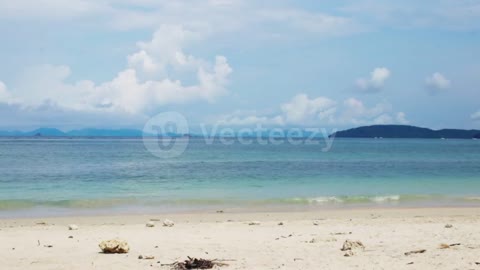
x=81, y=175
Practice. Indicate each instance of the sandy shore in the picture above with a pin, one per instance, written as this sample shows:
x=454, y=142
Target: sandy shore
x=297, y=244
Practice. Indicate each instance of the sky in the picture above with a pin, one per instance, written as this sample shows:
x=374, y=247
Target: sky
x=240, y=63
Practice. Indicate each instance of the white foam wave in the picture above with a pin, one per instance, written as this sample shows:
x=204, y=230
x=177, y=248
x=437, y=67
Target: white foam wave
x=349, y=199
x=322, y=200
x=389, y=198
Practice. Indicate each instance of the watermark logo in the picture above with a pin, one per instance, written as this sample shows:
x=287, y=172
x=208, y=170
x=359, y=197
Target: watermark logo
x=166, y=135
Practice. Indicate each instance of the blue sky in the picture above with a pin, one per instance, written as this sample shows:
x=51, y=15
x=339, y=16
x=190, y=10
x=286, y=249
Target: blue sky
x=335, y=64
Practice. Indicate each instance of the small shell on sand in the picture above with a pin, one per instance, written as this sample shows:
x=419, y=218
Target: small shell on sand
x=316, y=222
x=168, y=223
x=114, y=246
x=72, y=227
x=150, y=224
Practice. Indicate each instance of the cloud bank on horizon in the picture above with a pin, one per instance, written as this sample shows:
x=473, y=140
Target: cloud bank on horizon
x=115, y=63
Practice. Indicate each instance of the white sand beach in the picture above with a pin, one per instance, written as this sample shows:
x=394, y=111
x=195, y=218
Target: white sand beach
x=387, y=235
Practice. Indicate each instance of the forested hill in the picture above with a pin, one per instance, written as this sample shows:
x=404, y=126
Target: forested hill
x=402, y=131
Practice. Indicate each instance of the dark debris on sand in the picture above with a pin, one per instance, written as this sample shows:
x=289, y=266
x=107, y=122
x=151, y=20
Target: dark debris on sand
x=194, y=263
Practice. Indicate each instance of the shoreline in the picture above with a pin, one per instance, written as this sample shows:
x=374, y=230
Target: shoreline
x=333, y=212
x=142, y=211
x=95, y=206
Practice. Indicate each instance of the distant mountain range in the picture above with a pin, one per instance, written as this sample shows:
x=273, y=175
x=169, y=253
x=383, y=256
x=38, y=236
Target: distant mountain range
x=376, y=131
x=87, y=132
x=402, y=131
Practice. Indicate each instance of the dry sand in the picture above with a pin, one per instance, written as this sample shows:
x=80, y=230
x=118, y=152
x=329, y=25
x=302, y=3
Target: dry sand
x=297, y=244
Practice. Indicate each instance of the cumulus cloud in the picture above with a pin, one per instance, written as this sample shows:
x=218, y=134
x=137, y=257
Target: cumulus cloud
x=376, y=81
x=141, y=60
x=355, y=112
x=165, y=50
x=302, y=110
x=437, y=82
x=128, y=91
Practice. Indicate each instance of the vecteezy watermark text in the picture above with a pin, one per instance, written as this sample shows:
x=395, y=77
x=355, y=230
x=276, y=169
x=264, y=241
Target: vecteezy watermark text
x=166, y=135
x=264, y=136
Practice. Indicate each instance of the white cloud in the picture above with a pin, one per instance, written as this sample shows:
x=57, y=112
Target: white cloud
x=226, y=15
x=376, y=81
x=128, y=91
x=383, y=119
x=215, y=15
x=302, y=110
x=319, y=23
x=237, y=16
x=15, y=116
x=251, y=120
x=4, y=94
x=49, y=9
x=141, y=60
x=299, y=110
x=458, y=15
x=475, y=116
x=437, y=82
x=166, y=50
x=355, y=112
x=402, y=118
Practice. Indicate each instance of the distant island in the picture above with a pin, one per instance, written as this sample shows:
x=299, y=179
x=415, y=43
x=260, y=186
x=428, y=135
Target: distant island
x=87, y=132
x=403, y=131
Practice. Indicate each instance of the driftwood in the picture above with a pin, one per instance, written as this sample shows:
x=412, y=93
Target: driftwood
x=194, y=263
x=415, y=252
x=444, y=246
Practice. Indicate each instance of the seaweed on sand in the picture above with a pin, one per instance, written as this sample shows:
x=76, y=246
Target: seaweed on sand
x=194, y=263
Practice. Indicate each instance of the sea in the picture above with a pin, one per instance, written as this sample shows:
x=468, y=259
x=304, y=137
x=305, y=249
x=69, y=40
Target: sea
x=89, y=176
